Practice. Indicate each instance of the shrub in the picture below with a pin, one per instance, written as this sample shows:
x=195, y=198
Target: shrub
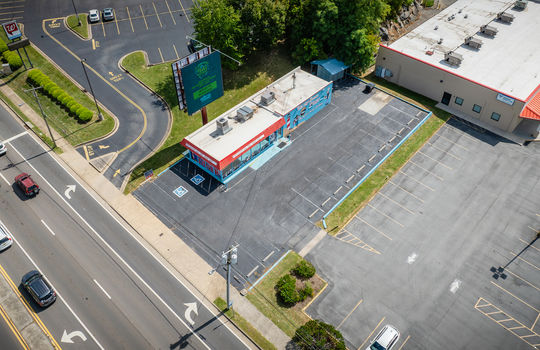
x=304, y=269
x=315, y=334
x=305, y=292
x=13, y=59
x=86, y=116
x=79, y=111
x=3, y=46
x=286, y=290
x=62, y=97
x=74, y=107
x=70, y=103
x=55, y=92
x=48, y=87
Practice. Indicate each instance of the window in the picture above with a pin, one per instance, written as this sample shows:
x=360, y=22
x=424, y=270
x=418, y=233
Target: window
x=477, y=108
x=458, y=101
x=495, y=116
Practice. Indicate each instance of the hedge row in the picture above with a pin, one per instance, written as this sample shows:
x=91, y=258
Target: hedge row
x=10, y=57
x=36, y=77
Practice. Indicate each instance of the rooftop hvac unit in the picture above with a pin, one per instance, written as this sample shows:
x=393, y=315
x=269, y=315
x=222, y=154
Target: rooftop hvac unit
x=223, y=125
x=473, y=42
x=488, y=30
x=267, y=98
x=244, y=113
x=505, y=17
x=453, y=58
x=521, y=4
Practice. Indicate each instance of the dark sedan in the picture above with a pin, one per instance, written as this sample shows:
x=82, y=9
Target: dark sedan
x=38, y=287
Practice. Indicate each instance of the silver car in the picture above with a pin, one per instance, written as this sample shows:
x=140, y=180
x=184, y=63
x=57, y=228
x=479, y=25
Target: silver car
x=93, y=16
x=3, y=148
x=386, y=338
x=5, y=238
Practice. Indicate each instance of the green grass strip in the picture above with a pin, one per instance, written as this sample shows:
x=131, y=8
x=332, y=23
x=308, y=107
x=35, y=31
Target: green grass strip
x=245, y=326
x=82, y=28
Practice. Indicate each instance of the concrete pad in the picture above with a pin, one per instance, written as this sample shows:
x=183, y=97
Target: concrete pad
x=375, y=103
x=17, y=311
x=34, y=337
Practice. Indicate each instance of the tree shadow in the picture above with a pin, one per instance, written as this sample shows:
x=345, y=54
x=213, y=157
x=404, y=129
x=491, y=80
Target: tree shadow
x=183, y=342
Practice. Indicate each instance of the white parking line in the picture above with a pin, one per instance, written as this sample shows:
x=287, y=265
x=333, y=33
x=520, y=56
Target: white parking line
x=2, y=176
x=48, y=228
x=16, y=136
x=307, y=199
x=404, y=190
x=102, y=289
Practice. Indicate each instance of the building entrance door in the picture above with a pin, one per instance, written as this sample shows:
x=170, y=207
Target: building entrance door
x=446, y=98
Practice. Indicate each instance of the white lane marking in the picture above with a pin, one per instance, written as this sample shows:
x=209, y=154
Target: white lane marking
x=187, y=314
x=455, y=285
x=104, y=291
x=16, y=136
x=60, y=295
x=69, y=189
x=411, y=258
x=66, y=338
x=2, y=176
x=47, y=227
x=118, y=255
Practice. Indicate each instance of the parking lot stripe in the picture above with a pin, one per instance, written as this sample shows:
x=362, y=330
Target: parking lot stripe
x=185, y=14
x=10, y=18
x=534, y=324
x=461, y=133
x=385, y=215
x=349, y=314
x=412, y=178
x=10, y=12
x=373, y=227
x=523, y=279
x=535, y=309
x=405, y=342
x=103, y=27
x=144, y=17
x=93, y=44
x=115, y=21
x=398, y=204
x=11, y=7
x=533, y=229
x=159, y=19
x=370, y=334
x=172, y=17
x=307, y=199
x=176, y=52
x=520, y=258
x=435, y=160
x=409, y=192
x=530, y=245
x=494, y=312
x=3, y=178
x=437, y=148
x=455, y=143
x=84, y=147
x=427, y=171
x=160, y=55
x=129, y=17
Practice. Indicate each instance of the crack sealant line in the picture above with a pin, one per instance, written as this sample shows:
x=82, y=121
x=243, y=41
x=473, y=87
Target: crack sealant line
x=268, y=271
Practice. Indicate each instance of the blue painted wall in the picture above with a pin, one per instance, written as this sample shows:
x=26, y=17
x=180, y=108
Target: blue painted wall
x=309, y=108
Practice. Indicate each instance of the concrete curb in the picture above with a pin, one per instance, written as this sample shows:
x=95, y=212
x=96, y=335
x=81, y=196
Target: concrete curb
x=74, y=32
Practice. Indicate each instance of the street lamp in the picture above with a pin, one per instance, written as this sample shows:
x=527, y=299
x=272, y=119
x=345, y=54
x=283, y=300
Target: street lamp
x=76, y=14
x=230, y=257
x=83, y=61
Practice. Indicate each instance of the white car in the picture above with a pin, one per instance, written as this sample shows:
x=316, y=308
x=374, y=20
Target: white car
x=5, y=238
x=386, y=338
x=3, y=148
x=93, y=16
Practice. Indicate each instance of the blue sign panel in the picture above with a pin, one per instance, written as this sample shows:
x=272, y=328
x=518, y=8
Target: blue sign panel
x=180, y=191
x=197, y=179
x=202, y=82
x=505, y=99
x=309, y=107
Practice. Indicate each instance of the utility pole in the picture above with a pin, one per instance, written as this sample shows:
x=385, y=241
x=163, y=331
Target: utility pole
x=230, y=257
x=76, y=14
x=42, y=113
x=83, y=61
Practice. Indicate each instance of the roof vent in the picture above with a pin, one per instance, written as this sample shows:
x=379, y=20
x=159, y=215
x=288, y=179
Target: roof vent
x=521, y=4
x=244, y=113
x=488, y=30
x=473, y=42
x=222, y=125
x=505, y=17
x=267, y=98
x=440, y=41
x=453, y=58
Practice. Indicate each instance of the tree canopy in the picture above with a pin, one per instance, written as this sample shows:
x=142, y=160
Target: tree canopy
x=316, y=334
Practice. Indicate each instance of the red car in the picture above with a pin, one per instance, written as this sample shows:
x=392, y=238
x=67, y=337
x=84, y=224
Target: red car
x=27, y=185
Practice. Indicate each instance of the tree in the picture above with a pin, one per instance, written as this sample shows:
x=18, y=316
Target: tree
x=263, y=21
x=316, y=334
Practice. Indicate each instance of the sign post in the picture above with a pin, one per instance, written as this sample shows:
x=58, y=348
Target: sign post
x=12, y=30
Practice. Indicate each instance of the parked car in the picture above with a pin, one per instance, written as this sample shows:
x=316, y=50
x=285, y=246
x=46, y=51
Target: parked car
x=5, y=237
x=3, y=148
x=93, y=16
x=27, y=185
x=38, y=287
x=108, y=14
x=386, y=338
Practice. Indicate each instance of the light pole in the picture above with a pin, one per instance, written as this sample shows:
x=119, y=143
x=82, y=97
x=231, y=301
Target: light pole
x=76, y=14
x=230, y=257
x=42, y=113
x=83, y=61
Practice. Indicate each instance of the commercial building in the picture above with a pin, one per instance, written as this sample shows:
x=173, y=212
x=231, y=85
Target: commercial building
x=479, y=59
x=225, y=146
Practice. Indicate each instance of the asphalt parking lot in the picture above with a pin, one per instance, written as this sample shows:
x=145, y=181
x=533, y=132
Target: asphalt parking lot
x=273, y=208
x=445, y=251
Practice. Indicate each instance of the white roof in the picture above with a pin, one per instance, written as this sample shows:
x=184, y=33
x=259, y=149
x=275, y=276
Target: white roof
x=508, y=62
x=287, y=98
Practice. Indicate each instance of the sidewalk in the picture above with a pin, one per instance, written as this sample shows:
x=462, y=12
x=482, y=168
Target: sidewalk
x=153, y=234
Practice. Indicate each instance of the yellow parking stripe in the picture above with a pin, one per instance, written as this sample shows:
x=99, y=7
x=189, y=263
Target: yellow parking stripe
x=162, y=60
x=370, y=334
x=405, y=342
x=185, y=14
x=130, y=22
x=159, y=20
x=532, y=307
x=115, y=21
x=176, y=52
x=10, y=12
x=84, y=147
x=144, y=17
x=14, y=329
x=170, y=12
x=103, y=27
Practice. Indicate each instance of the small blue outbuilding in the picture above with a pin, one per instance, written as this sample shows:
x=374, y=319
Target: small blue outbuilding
x=329, y=69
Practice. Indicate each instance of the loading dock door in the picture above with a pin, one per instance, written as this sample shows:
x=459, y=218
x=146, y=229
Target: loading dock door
x=446, y=98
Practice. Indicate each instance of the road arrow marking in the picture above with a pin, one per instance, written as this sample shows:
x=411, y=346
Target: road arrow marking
x=455, y=285
x=70, y=188
x=66, y=338
x=116, y=173
x=103, y=146
x=187, y=314
x=412, y=258
x=111, y=74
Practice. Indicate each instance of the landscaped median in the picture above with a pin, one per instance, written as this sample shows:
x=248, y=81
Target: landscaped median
x=238, y=85
x=79, y=26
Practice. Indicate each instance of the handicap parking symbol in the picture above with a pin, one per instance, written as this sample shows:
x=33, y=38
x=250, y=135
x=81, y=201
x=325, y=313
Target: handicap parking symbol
x=180, y=191
x=197, y=179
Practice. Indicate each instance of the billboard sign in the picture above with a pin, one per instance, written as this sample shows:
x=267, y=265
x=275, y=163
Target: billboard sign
x=505, y=99
x=12, y=30
x=178, y=65
x=202, y=81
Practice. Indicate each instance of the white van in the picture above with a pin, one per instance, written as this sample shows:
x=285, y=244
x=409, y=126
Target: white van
x=5, y=238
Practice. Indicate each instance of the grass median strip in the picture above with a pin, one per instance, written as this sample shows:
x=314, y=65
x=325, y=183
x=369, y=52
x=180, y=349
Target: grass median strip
x=238, y=85
x=363, y=194
x=245, y=326
x=82, y=28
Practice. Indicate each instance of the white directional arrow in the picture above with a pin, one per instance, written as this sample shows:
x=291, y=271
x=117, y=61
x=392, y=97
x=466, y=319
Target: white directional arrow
x=69, y=189
x=187, y=314
x=66, y=338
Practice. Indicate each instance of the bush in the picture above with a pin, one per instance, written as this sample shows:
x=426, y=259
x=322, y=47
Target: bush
x=3, y=46
x=74, y=107
x=286, y=290
x=316, y=334
x=306, y=292
x=62, y=97
x=55, y=92
x=70, y=103
x=304, y=269
x=86, y=116
x=13, y=59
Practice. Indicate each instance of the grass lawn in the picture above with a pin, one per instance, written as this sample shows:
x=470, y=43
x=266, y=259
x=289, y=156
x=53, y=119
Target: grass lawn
x=245, y=326
x=250, y=78
x=74, y=132
x=81, y=29
x=359, y=198
x=264, y=297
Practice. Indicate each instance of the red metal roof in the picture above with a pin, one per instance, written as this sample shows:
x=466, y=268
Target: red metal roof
x=532, y=108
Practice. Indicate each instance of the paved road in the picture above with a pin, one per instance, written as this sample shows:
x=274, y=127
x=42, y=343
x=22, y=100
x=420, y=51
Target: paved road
x=9, y=340
x=123, y=296
x=142, y=116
